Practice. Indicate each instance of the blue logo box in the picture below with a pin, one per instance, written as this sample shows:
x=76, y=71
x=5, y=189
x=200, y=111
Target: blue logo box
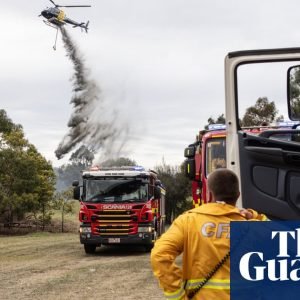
x=265, y=260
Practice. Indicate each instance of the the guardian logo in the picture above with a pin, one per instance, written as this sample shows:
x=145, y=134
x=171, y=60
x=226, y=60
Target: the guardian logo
x=265, y=260
x=288, y=269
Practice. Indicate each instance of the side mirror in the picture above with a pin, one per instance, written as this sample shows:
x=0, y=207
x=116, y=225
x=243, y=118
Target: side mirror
x=293, y=92
x=75, y=183
x=157, y=182
x=189, y=151
x=157, y=192
x=76, y=193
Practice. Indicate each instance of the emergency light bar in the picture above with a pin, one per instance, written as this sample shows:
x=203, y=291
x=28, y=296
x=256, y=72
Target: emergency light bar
x=216, y=127
x=123, y=168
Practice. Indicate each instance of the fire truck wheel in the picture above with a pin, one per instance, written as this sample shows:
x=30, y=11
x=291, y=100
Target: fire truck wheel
x=89, y=249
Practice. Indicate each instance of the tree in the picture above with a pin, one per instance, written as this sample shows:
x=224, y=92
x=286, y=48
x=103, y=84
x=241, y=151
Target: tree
x=178, y=189
x=67, y=173
x=45, y=187
x=119, y=162
x=26, y=178
x=279, y=118
x=263, y=112
x=80, y=160
x=220, y=120
x=63, y=202
x=6, y=124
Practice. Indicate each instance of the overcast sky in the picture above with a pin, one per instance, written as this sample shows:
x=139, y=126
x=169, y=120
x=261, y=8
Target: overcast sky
x=159, y=63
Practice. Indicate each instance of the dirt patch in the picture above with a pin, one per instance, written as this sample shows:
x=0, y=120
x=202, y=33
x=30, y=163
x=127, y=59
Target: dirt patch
x=54, y=266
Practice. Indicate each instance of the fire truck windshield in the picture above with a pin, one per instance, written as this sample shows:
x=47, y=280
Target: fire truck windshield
x=109, y=190
x=215, y=154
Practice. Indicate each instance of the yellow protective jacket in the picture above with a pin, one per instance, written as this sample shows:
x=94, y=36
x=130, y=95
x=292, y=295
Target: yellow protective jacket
x=202, y=235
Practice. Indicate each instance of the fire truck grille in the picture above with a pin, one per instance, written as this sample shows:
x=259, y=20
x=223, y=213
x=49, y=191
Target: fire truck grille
x=114, y=222
x=113, y=212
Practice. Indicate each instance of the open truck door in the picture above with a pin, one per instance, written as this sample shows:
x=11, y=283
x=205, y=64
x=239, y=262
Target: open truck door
x=267, y=163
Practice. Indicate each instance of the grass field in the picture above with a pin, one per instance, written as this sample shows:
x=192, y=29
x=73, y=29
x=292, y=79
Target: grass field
x=54, y=266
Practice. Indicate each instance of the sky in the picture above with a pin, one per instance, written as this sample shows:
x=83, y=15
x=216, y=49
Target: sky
x=159, y=65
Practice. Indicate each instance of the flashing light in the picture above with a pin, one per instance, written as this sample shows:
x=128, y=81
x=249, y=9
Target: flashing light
x=287, y=123
x=216, y=127
x=138, y=168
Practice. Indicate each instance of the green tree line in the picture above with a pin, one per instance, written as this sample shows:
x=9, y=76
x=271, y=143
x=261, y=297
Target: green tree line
x=26, y=178
x=263, y=112
x=30, y=187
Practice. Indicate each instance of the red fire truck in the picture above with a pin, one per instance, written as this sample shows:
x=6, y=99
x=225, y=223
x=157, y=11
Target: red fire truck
x=202, y=157
x=209, y=153
x=120, y=205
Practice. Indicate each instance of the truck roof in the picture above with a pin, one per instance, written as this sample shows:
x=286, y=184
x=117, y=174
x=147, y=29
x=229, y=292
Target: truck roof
x=215, y=130
x=126, y=171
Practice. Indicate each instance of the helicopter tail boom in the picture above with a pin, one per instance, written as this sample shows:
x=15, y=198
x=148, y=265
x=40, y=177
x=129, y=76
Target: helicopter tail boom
x=83, y=25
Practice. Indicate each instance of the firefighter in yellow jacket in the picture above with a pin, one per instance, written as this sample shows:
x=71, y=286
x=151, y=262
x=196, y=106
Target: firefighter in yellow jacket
x=202, y=235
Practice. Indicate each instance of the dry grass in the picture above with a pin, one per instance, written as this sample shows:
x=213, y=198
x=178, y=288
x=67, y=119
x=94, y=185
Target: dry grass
x=54, y=266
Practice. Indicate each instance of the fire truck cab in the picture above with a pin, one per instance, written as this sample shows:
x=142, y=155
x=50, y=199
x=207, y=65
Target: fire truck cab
x=208, y=153
x=121, y=205
x=202, y=157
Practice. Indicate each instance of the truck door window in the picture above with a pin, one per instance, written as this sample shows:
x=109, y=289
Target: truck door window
x=263, y=140
x=266, y=81
x=215, y=154
x=294, y=92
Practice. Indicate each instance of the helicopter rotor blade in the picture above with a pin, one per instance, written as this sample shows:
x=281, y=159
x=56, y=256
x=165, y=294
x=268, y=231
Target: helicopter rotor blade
x=53, y=3
x=72, y=5
x=57, y=5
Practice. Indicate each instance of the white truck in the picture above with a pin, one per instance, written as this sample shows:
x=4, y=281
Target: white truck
x=268, y=164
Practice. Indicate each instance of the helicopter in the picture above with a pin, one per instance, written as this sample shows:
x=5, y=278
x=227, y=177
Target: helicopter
x=56, y=18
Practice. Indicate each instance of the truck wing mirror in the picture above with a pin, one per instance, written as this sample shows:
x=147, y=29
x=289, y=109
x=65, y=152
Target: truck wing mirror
x=75, y=183
x=157, y=192
x=293, y=91
x=157, y=182
x=189, y=152
x=76, y=193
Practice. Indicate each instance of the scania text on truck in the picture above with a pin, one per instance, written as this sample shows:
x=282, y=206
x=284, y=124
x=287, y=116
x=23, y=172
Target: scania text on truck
x=267, y=160
x=120, y=205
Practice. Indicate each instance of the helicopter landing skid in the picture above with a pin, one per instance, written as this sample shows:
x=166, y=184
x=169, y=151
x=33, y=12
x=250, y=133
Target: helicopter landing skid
x=50, y=24
x=55, y=27
x=54, y=46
